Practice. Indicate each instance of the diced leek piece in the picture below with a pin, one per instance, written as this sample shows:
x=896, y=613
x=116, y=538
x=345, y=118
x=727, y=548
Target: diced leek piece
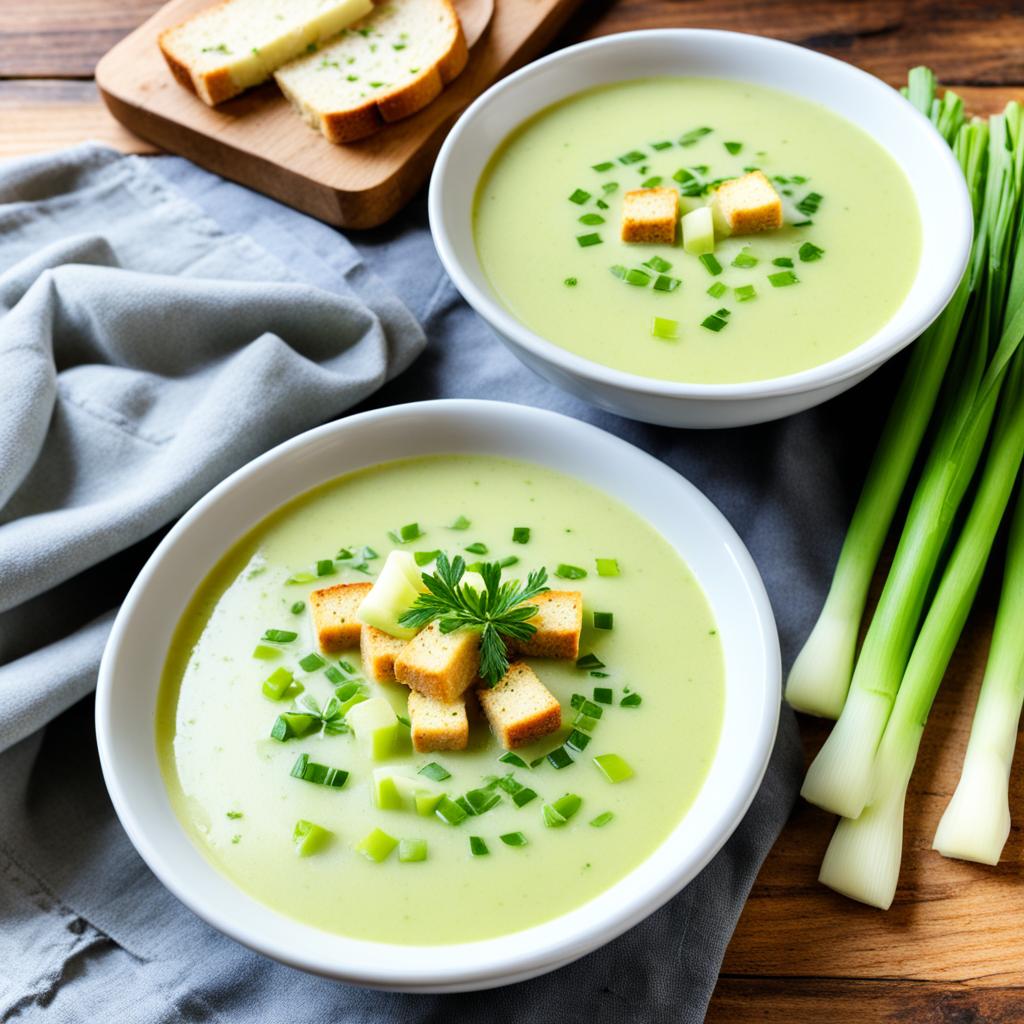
x=277, y=683
x=348, y=703
x=613, y=767
x=435, y=771
x=567, y=805
x=721, y=224
x=602, y=819
x=607, y=567
x=385, y=790
x=513, y=839
x=698, y=231
x=376, y=727
x=394, y=592
x=523, y=796
x=293, y=725
x=427, y=802
x=377, y=846
x=478, y=847
x=450, y=812
x=261, y=652
x=412, y=850
x=309, y=838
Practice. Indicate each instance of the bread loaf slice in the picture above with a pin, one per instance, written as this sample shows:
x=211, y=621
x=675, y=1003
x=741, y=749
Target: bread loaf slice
x=233, y=45
x=386, y=67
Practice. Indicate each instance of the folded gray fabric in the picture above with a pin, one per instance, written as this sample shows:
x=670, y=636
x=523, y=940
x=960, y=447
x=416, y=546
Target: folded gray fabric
x=91, y=934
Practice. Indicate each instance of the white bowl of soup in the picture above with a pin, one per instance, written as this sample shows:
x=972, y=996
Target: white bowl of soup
x=527, y=208
x=283, y=842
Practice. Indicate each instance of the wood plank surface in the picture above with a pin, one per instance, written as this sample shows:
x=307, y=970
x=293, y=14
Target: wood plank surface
x=951, y=950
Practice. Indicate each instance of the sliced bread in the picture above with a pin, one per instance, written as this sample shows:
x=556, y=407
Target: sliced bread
x=520, y=708
x=236, y=44
x=388, y=66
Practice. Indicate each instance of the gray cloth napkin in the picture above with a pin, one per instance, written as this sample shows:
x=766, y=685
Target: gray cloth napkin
x=137, y=376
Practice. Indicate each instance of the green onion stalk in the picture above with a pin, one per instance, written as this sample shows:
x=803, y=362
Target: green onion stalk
x=976, y=823
x=863, y=858
x=839, y=778
x=820, y=677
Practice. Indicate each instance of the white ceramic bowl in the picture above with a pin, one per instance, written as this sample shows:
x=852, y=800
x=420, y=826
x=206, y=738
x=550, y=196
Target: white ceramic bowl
x=130, y=673
x=928, y=162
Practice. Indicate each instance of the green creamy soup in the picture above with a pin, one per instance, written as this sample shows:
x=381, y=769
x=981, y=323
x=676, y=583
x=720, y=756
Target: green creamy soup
x=230, y=782
x=548, y=215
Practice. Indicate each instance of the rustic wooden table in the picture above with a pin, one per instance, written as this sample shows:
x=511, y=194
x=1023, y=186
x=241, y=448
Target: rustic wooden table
x=951, y=949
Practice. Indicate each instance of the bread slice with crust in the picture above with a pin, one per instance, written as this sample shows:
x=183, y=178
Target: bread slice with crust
x=437, y=725
x=520, y=708
x=559, y=622
x=229, y=47
x=334, y=615
x=382, y=69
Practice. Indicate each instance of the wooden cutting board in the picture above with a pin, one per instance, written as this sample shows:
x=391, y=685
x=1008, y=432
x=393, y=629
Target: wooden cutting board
x=257, y=139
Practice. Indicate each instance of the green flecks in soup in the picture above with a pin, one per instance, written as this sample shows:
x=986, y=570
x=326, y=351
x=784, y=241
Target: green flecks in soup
x=306, y=822
x=548, y=214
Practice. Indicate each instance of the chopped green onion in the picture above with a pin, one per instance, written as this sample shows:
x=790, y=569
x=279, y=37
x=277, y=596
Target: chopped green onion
x=664, y=283
x=713, y=323
x=710, y=263
x=605, y=165
x=569, y=282
x=319, y=774
x=279, y=636
x=603, y=620
x=509, y=560
x=809, y=252
x=809, y=204
x=477, y=548
x=298, y=607
x=579, y=197
x=410, y=532
x=325, y=567
x=618, y=270
x=782, y=261
x=348, y=690
x=588, y=661
x=733, y=147
x=613, y=767
x=717, y=290
x=311, y=662
x=783, y=279
x=425, y=557
x=293, y=725
x=588, y=723
x=652, y=182
x=632, y=700
x=450, y=812
x=658, y=264
x=513, y=839
x=559, y=758
x=559, y=811
x=300, y=577
x=570, y=572
x=603, y=694
x=509, y=757
x=693, y=136
x=309, y=838
x=587, y=240
x=664, y=328
x=590, y=219
x=521, y=535
x=745, y=293
x=659, y=146
x=634, y=156
x=377, y=846
x=609, y=187
x=601, y=204
x=590, y=709
x=462, y=523
x=264, y=653
x=602, y=819
x=482, y=800
x=523, y=796
x=436, y=772
x=410, y=851
x=577, y=739
x=277, y=683
x=477, y=847
x=576, y=700
x=638, y=278
x=744, y=260
x=333, y=675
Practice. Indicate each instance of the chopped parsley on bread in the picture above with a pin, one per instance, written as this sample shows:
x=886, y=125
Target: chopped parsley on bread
x=520, y=708
x=386, y=67
x=334, y=615
x=227, y=48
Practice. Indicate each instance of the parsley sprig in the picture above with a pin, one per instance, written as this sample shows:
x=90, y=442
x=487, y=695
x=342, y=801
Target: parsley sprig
x=497, y=611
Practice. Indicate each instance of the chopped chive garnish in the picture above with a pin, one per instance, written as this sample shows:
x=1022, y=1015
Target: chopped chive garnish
x=348, y=690
x=744, y=260
x=585, y=722
x=300, y=577
x=602, y=205
x=276, y=684
x=412, y=850
x=589, y=709
x=346, y=666
x=610, y=186
x=745, y=293
x=512, y=758
x=477, y=548
x=607, y=567
x=717, y=290
x=509, y=560
x=640, y=278
x=309, y=838
x=368, y=554
x=509, y=784
x=318, y=774
x=577, y=739
x=482, y=800
x=591, y=219
x=425, y=557
x=293, y=725
x=634, y=156
x=664, y=283
x=613, y=767
x=599, y=675
x=618, y=271
x=264, y=653
x=710, y=263
x=334, y=675
x=410, y=532
x=559, y=758
x=570, y=572
x=450, y=812
x=658, y=264
x=713, y=323
x=462, y=523
x=559, y=811
x=584, y=241
x=579, y=197
x=632, y=700
x=344, y=555
x=325, y=567
x=279, y=636
x=602, y=819
x=377, y=846
x=298, y=607
x=520, y=535
x=659, y=146
x=664, y=328
x=576, y=701
x=808, y=253
x=652, y=182
x=809, y=204
x=603, y=620
x=233, y=815
x=478, y=847
x=723, y=313
x=782, y=261
x=435, y=771
x=311, y=662
x=733, y=147
x=693, y=136
x=513, y=839
x=465, y=805
x=523, y=796
x=570, y=282
x=604, y=165
x=783, y=278
x=802, y=223
x=405, y=721
x=603, y=694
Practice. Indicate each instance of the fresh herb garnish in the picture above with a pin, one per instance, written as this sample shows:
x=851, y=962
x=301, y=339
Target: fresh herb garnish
x=498, y=611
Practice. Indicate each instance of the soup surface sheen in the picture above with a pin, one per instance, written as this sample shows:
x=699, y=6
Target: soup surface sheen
x=229, y=782
x=865, y=227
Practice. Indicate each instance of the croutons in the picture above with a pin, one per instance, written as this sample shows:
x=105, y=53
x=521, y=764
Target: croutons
x=650, y=215
x=334, y=615
x=520, y=708
x=559, y=621
x=747, y=205
x=440, y=665
x=437, y=725
x=379, y=650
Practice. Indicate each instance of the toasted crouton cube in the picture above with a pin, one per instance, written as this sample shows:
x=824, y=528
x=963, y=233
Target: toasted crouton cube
x=334, y=615
x=437, y=725
x=440, y=665
x=559, y=621
x=520, y=708
x=650, y=215
x=379, y=650
x=748, y=204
